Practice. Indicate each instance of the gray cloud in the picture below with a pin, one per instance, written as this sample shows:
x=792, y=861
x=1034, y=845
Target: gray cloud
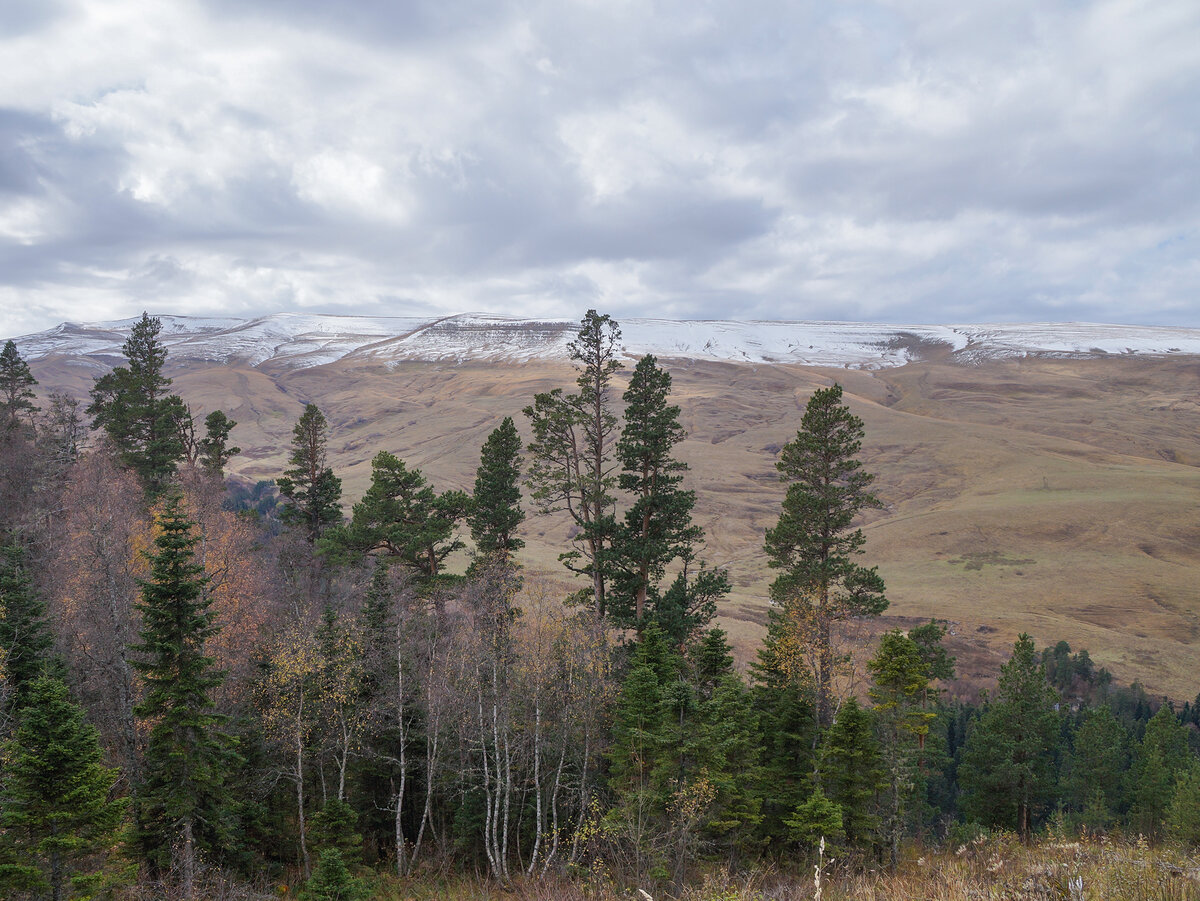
x=932, y=161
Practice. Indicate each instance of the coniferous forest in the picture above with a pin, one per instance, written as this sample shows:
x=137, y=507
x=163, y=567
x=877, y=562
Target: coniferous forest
x=212, y=690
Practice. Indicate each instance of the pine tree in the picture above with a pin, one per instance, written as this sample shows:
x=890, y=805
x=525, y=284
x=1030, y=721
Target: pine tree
x=402, y=516
x=495, y=511
x=313, y=493
x=132, y=406
x=813, y=545
x=183, y=802
x=570, y=455
x=215, y=451
x=16, y=390
x=56, y=810
x=25, y=641
x=658, y=529
x=1008, y=768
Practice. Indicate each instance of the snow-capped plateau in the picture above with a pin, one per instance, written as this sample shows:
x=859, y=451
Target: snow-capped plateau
x=306, y=340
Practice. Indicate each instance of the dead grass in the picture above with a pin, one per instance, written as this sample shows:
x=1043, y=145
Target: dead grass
x=994, y=867
x=1087, y=467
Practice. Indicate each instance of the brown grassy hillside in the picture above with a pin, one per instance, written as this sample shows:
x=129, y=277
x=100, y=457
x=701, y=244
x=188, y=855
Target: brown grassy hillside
x=1058, y=497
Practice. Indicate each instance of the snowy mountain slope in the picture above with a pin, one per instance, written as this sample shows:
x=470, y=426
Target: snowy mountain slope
x=298, y=340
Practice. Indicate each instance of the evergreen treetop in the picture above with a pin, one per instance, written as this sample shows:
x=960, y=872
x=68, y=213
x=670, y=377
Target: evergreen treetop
x=495, y=510
x=16, y=388
x=132, y=406
x=312, y=491
x=184, y=803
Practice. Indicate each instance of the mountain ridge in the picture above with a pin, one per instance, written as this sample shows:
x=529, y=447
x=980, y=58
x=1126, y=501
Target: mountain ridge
x=301, y=340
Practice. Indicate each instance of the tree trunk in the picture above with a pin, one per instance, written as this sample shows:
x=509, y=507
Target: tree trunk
x=188, y=862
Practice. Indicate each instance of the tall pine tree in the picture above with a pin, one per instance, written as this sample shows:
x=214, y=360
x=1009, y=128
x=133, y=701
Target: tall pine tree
x=813, y=545
x=658, y=529
x=132, y=406
x=402, y=516
x=313, y=493
x=16, y=391
x=183, y=804
x=570, y=455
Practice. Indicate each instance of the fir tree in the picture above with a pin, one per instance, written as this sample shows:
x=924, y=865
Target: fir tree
x=851, y=771
x=1097, y=768
x=332, y=881
x=899, y=690
x=786, y=710
x=57, y=817
x=1008, y=769
x=570, y=455
x=313, y=493
x=813, y=545
x=1159, y=758
x=132, y=406
x=495, y=511
x=183, y=802
x=728, y=754
x=16, y=390
x=24, y=638
x=1183, y=813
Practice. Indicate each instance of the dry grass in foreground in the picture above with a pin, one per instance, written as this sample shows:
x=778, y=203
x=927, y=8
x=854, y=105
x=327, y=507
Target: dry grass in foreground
x=995, y=867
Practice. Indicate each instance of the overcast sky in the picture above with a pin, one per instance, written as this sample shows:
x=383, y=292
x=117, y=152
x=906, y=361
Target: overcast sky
x=931, y=162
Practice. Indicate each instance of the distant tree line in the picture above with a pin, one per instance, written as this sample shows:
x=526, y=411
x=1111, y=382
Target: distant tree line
x=203, y=682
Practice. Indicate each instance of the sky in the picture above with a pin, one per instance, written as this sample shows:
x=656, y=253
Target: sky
x=898, y=161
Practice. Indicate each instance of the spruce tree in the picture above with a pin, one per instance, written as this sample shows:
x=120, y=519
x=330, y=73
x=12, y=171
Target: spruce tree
x=1183, y=813
x=1097, y=768
x=332, y=881
x=24, y=638
x=852, y=774
x=495, y=510
x=570, y=455
x=1159, y=758
x=313, y=493
x=184, y=802
x=132, y=406
x=786, y=707
x=657, y=530
x=57, y=813
x=899, y=691
x=1008, y=768
x=813, y=545
x=16, y=390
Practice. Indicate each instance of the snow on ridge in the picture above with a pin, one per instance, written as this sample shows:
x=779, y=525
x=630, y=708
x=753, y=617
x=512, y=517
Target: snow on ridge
x=304, y=340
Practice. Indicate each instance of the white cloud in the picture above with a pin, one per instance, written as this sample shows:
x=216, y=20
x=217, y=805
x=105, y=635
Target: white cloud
x=930, y=161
